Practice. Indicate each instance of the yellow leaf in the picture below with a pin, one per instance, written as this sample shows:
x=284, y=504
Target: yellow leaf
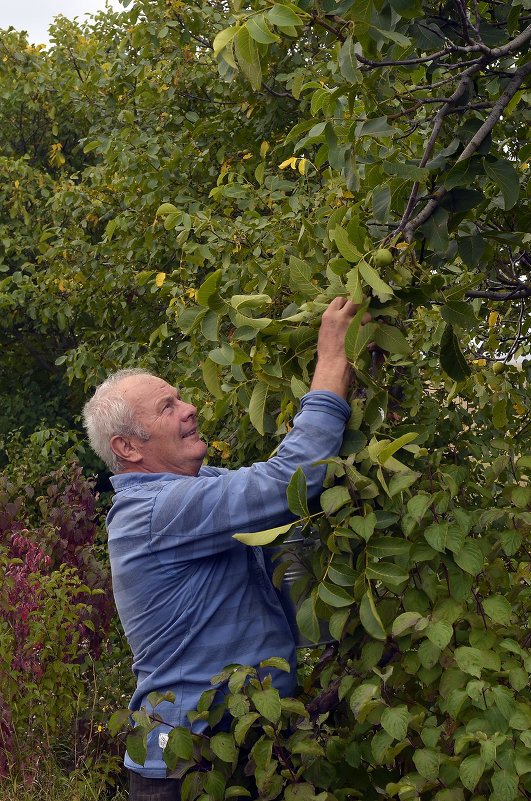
x=480, y=362
x=288, y=163
x=347, y=194
x=401, y=245
x=159, y=278
x=493, y=319
x=302, y=166
x=247, y=156
x=264, y=147
x=17, y=184
x=519, y=408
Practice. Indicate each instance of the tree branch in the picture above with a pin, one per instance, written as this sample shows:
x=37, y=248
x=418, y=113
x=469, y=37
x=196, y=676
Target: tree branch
x=512, y=87
x=492, y=294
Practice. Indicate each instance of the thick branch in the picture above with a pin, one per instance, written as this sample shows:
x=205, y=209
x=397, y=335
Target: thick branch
x=492, y=294
x=512, y=87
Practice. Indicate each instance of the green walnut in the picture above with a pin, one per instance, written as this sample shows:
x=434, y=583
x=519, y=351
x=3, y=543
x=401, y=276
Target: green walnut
x=382, y=258
x=498, y=367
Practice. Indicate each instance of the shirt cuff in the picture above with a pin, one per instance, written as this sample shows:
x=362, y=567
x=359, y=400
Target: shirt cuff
x=324, y=401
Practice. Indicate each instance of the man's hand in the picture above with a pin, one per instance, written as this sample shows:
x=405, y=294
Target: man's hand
x=333, y=371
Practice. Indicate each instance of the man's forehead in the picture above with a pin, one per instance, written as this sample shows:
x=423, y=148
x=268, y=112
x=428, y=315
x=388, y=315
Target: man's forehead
x=139, y=388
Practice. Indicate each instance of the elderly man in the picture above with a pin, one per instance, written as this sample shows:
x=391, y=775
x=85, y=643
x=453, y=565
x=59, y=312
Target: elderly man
x=191, y=598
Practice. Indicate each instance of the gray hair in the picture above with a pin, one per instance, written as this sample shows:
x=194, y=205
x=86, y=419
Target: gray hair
x=108, y=414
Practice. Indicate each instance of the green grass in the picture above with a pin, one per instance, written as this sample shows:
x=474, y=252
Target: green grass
x=52, y=785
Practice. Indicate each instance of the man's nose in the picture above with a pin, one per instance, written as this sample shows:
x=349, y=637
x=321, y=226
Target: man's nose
x=187, y=410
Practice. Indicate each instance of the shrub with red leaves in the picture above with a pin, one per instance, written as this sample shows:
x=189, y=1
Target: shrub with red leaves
x=56, y=607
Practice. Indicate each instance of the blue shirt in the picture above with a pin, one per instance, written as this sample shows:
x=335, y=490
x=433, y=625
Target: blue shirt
x=191, y=598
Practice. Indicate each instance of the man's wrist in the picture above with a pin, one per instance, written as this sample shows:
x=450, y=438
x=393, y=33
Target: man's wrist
x=333, y=375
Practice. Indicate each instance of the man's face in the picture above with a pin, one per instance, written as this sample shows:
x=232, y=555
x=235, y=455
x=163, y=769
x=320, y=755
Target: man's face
x=174, y=445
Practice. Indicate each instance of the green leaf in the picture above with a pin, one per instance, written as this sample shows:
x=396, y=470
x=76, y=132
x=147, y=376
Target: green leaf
x=342, y=574
x=418, y=505
x=118, y=720
x=137, y=745
x=248, y=58
x=370, y=619
x=210, y=377
x=412, y=172
x=469, y=660
x=505, y=785
x=381, y=203
x=404, y=622
x=243, y=725
x=300, y=277
x=378, y=127
x=388, y=546
x=283, y=16
x=506, y=178
x=387, y=572
x=364, y=526
x=214, y=784
x=439, y=633
x=237, y=791
x=334, y=498
x=307, y=620
x=333, y=595
x=435, y=229
x=337, y=622
x=380, y=745
x=427, y=763
x=353, y=332
x=498, y=609
x=394, y=720
x=459, y=312
x=511, y=540
x=259, y=30
x=308, y=746
x=267, y=702
x=348, y=63
x=435, y=535
x=393, y=447
x=345, y=245
x=263, y=537
x=221, y=41
x=296, y=494
x=470, y=558
x=372, y=278
x=452, y=360
x=455, y=539
x=276, y=662
x=363, y=693
x=208, y=288
x=257, y=405
x=250, y=301
x=179, y=746
x=223, y=746
x=391, y=339
x=470, y=771
x=402, y=481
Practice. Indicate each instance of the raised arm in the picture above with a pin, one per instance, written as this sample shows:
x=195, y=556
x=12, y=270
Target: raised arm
x=333, y=371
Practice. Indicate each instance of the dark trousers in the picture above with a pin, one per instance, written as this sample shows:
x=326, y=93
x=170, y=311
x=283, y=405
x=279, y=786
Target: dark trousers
x=142, y=789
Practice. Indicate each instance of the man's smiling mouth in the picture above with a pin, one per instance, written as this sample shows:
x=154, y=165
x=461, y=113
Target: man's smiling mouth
x=190, y=433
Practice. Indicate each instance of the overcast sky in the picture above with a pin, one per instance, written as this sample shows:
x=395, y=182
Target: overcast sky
x=34, y=16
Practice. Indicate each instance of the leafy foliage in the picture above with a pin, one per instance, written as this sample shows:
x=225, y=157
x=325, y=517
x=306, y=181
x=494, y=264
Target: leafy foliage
x=55, y=610
x=207, y=178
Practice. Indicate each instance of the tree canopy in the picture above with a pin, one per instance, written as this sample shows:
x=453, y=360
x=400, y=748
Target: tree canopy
x=185, y=187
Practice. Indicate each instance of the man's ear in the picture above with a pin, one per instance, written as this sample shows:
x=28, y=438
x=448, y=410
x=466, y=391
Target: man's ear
x=124, y=449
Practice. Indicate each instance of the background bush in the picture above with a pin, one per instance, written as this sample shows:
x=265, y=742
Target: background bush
x=185, y=187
